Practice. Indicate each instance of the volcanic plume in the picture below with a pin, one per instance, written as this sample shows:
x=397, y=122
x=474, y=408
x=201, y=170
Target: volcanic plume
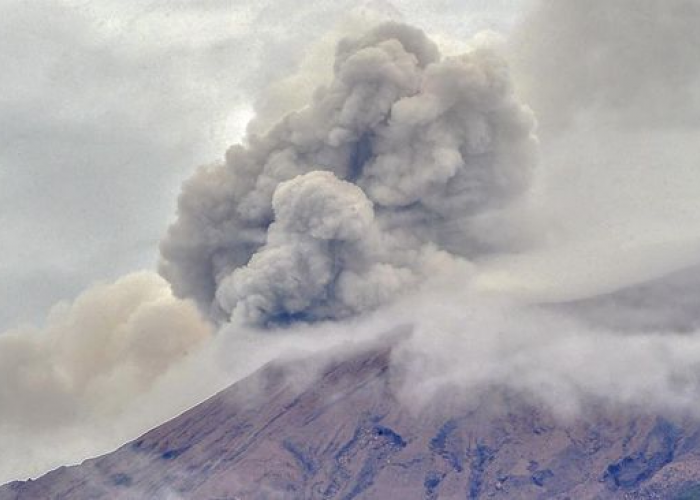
x=414, y=192
x=348, y=201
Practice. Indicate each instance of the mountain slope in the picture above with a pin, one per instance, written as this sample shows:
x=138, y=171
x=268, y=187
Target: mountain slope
x=343, y=433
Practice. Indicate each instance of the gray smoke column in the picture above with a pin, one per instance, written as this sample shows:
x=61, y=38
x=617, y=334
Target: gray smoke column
x=342, y=205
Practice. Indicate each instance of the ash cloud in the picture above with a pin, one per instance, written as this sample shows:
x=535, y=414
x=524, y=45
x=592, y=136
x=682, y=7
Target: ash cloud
x=340, y=205
x=97, y=353
x=117, y=361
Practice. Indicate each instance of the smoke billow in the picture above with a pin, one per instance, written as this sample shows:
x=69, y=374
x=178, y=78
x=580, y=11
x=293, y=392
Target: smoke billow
x=96, y=354
x=101, y=370
x=340, y=205
x=428, y=154
x=392, y=182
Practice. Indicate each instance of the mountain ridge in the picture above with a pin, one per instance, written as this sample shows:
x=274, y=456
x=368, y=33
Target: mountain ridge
x=327, y=428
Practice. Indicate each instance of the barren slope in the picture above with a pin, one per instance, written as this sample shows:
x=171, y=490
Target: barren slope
x=346, y=435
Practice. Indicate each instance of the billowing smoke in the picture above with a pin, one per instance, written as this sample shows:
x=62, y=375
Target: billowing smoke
x=101, y=370
x=340, y=205
x=96, y=354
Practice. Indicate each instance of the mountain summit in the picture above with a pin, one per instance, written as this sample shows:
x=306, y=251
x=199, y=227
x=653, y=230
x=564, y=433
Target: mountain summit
x=347, y=432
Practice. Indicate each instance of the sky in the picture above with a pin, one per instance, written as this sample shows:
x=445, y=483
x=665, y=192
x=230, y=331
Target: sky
x=552, y=244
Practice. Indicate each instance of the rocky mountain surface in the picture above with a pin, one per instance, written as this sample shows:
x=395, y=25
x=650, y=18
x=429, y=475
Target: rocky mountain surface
x=346, y=434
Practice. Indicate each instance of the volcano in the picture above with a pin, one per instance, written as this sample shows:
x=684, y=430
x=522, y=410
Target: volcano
x=346, y=431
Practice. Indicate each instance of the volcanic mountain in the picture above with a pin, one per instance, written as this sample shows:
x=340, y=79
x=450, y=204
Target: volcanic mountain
x=341, y=429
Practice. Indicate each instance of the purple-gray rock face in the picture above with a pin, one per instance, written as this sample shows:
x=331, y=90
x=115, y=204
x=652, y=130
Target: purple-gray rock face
x=347, y=435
